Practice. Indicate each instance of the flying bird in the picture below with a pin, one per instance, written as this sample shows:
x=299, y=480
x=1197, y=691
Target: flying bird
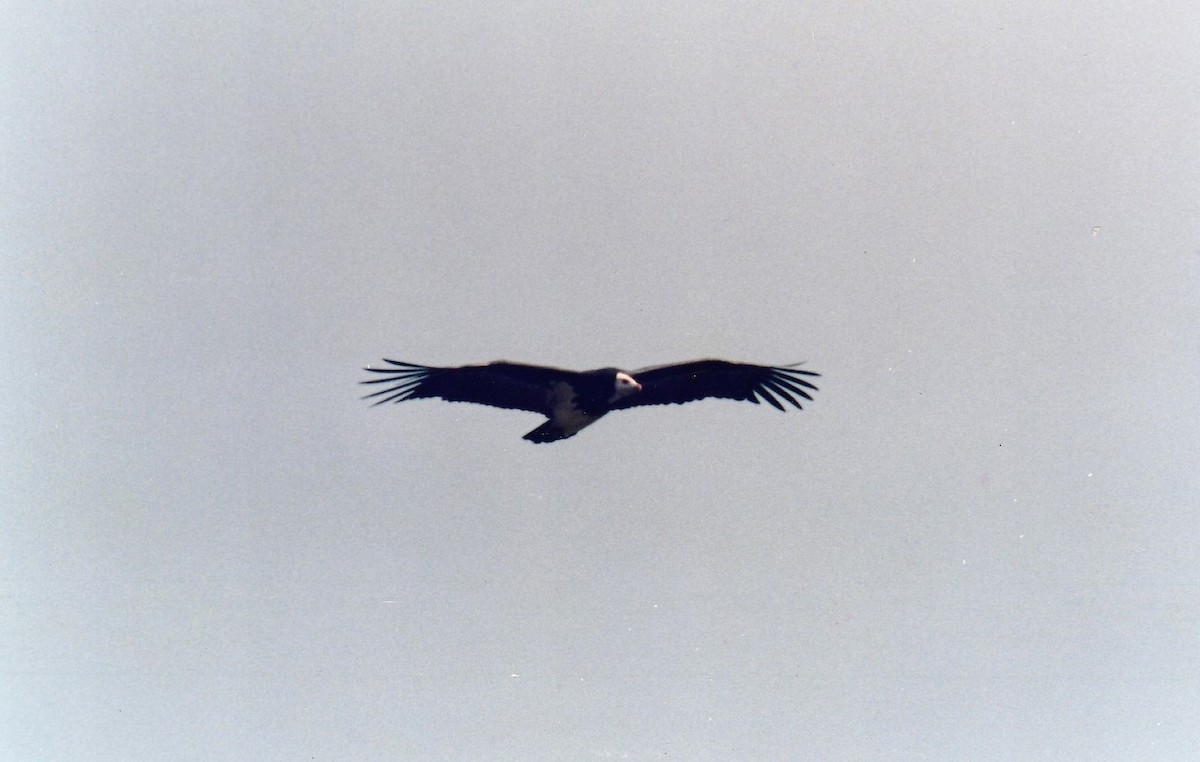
x=572, y=400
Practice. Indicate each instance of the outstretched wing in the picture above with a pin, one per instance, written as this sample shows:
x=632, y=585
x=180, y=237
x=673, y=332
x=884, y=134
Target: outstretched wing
x=691, y=381
x=499, y=384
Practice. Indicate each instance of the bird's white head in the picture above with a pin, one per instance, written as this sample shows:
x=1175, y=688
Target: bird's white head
x=624, y=385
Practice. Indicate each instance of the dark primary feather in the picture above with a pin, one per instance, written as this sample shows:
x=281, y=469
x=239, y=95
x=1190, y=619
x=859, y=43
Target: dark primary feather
x=499, y=384
x=691, y=381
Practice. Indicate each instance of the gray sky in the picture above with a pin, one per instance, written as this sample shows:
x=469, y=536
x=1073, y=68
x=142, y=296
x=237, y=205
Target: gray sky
x=980, y=224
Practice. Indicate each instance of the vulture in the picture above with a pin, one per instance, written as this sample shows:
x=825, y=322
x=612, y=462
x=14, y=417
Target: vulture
x=572, y=400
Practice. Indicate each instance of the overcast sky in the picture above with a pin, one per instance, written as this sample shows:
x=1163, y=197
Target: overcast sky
x=981, y=225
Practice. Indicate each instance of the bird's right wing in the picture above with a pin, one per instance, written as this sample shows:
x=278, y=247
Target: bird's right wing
x=690, y=381
x=499, y=384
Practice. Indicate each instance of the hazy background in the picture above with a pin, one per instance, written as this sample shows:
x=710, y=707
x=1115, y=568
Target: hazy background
x=982, y=225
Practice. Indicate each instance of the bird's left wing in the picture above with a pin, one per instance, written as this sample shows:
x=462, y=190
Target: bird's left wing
x=690, y=381
x=499, y=384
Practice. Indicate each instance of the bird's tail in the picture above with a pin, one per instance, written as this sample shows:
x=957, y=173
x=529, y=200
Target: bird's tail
x=548, y=432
